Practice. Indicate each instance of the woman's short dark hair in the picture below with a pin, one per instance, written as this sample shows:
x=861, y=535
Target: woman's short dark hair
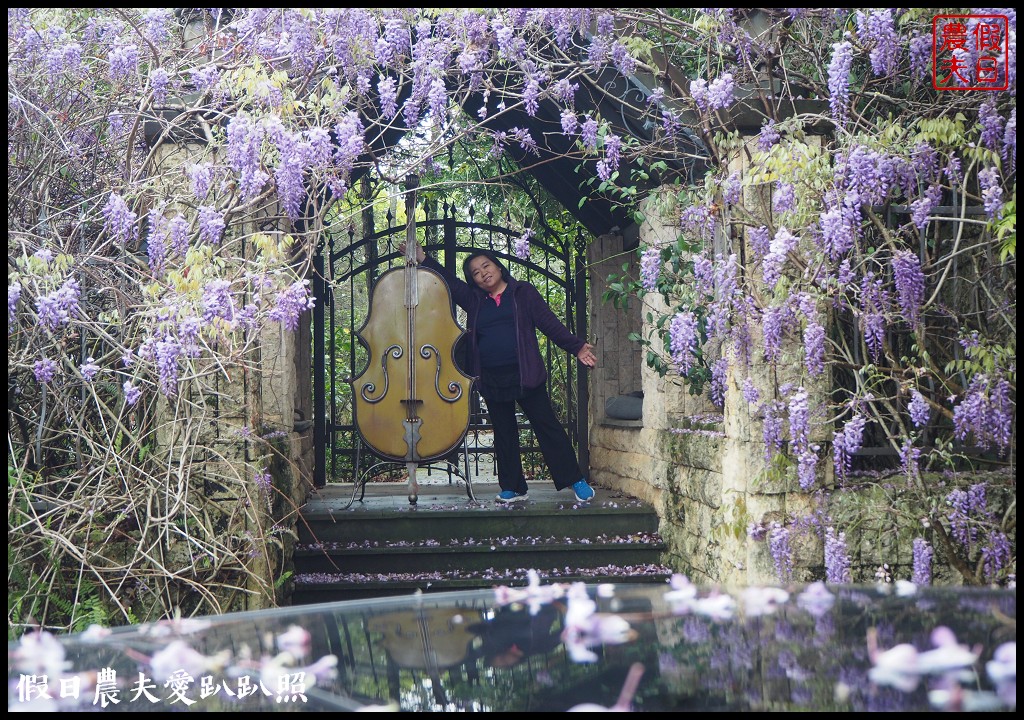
x=490, y=256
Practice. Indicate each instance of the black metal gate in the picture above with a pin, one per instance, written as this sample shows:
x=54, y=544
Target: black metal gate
x=346, y=269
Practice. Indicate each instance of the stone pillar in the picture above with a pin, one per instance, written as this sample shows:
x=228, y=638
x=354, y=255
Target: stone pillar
x=235, y=418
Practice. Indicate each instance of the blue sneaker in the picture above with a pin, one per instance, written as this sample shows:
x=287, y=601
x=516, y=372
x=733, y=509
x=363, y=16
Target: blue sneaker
x=510, y=496
x=584, y=493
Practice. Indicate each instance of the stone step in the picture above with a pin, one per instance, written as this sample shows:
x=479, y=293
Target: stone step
x=384, y=546
x=545, y=554
x=326, y=526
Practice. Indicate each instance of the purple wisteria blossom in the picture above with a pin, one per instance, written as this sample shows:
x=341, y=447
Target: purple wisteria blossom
x=873, y=303
x=839, y=225
x=750, y=392
x=201, y=177
x=178, y=234
x=922, y=573
x=245, y=138
x=264, y=480
x=919, y=410
x=921, y=209
x=387, y=94
x=781, y=550
x=205, y=78
x=159, y=82
x=781, y=246
x=846, y=443
x=799, y=418
x=167, y=354
x=807, y=466
x=771, y=428
x=71, y=55
x=625, y=63
x=699, y=93
x=703, y=275
x=290, y=303
x=784, y=197
x=570, y=123
x=839, y=80
x=683, y=340
x=925, y=160
x=760, y=241
x=89, y=369
x=954, y=169
x=119, y=220
x=910, y=284
x=699, y=220
x=115, y=121
x=757, y=531
x=720, y=92
x=774, y=321
x=909, y=459
x=44, y=370
x=837, y=558
x=132, y=394
x=123, y=59
x=58, y=307
x=991, y=191
x=991, y=126
x=217, y=302
x=814, y=348
x=156, y=243
x=869, y=175
x=288, y=175
x=719, y=373
x=521, y=247
x=995, y=555
x=877, y=30
x=13, y=295
x=588, y=133
x=525, y=139
x=920, y=55
x=650, y=268
x=732, y=189
x=211, y=225
x=986, y=412
x=768, y=136
x=156, y=24
x=966, y=506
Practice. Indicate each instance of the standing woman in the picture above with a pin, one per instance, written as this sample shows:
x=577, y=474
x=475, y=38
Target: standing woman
x=504, y=315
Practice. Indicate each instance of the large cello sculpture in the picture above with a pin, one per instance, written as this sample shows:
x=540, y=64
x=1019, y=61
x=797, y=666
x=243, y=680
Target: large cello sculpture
x=411, y=403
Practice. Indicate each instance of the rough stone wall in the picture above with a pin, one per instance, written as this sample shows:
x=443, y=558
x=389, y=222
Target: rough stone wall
x=707, y=481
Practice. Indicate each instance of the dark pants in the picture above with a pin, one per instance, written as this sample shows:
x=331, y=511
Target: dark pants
x=554, y=443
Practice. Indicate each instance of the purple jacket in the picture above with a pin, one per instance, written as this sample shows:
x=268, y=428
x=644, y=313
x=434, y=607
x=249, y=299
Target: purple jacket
x=531, y=314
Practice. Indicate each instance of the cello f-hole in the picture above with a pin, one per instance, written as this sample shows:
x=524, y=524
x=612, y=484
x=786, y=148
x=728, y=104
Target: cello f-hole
x=453, y=387
x=396, y=352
